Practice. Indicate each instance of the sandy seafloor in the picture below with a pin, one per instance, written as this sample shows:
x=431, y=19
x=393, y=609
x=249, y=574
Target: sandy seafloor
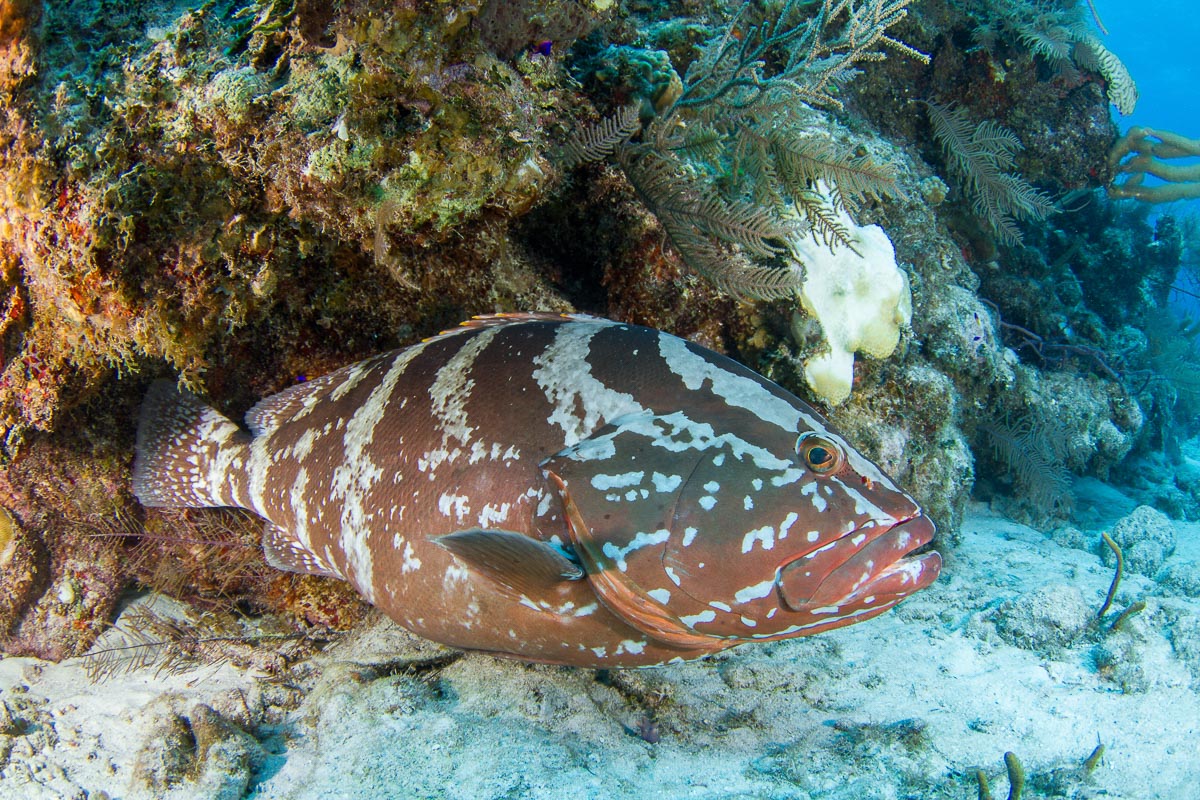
x=904, y=706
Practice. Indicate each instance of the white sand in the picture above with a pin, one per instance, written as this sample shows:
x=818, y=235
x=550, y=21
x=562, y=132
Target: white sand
x=904, y=706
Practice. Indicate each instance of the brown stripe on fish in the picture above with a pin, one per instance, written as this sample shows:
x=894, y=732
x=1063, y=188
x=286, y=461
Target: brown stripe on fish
x=451, y=392
x=452, y=386
x=288, y=474
x=733, y=383
x=358, y=474
x=568, y=371
x=516, y=431
x=556, y=393
x=474, y=431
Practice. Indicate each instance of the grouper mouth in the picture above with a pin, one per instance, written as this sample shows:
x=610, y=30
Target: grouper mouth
x=863, y=568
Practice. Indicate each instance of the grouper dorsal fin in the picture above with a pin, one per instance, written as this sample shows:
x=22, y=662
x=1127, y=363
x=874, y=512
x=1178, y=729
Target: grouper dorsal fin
x=518, y=565
x=270, y=412
x=511, y=317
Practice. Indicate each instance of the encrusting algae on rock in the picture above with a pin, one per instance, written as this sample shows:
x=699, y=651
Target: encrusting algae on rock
x=231, y=159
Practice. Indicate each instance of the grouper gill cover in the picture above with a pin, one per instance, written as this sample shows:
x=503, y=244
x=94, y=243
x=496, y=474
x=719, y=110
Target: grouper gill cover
x=558, y=489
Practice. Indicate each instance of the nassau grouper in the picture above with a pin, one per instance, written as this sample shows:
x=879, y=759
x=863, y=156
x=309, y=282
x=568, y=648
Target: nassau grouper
x=559, y=489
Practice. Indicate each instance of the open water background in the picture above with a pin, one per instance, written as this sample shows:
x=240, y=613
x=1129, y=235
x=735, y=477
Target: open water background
x=1159, y=40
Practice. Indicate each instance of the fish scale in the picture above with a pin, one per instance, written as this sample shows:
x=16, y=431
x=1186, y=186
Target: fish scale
x=556, y=488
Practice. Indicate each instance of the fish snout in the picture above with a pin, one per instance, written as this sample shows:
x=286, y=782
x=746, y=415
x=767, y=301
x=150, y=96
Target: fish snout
x=862, y=569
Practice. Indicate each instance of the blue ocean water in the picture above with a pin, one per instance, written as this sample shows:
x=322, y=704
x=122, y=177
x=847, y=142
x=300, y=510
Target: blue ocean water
x=1158, y=42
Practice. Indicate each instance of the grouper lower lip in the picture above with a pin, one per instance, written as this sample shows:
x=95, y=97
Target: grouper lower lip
x=875, y=567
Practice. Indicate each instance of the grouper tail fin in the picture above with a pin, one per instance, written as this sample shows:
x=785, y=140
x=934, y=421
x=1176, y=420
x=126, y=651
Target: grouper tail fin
x=189, y=455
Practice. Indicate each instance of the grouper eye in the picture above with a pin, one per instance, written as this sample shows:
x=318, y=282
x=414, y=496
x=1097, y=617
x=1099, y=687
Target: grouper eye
x=820, y=455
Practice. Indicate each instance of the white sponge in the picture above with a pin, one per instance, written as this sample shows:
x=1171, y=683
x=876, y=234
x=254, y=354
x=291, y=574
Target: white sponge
x=860, y=297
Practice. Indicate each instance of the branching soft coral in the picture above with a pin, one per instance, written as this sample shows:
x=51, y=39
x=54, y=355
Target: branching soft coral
x=1150, y=148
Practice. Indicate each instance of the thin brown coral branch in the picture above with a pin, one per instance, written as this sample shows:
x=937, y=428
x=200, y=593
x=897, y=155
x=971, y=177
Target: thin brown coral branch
x=1096, y=17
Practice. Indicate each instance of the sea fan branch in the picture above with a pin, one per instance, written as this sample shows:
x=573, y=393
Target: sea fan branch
x=723, y=164
x=600, y=140
x=978, y=155
x=172, y=645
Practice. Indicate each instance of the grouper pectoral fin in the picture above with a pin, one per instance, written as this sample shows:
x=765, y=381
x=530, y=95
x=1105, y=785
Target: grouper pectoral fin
x=619, y=593
x=517, y=564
